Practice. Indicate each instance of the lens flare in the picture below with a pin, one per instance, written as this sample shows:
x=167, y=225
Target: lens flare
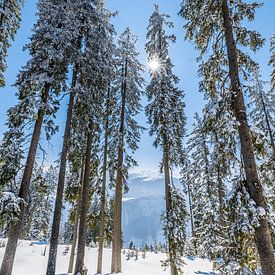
x=154, y=64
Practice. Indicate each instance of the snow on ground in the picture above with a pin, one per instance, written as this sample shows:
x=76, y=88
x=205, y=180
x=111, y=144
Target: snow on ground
x=30, y=261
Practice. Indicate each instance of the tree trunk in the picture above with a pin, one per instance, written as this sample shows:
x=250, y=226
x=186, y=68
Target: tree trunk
x=168, y=198
x=15, y=228
x=191, y=209
x=116, y=244
x=194, y=241
x=79, y=265
x=103, y=192
x=254, y=187
x=221, y=194
x=75, y=231
x=61, y=181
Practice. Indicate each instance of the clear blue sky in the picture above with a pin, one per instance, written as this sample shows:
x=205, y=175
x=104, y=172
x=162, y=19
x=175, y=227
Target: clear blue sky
x=135, y=14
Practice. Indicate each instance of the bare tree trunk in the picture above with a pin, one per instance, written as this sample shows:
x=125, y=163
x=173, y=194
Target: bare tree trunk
x=15, y=228
x=168, y=198
x=103, y=192
x=191, y=209
x=194, y=241
x=253, y=185
x=79, y=265
x=61, y=181
x=75, y=231
x=116, y=244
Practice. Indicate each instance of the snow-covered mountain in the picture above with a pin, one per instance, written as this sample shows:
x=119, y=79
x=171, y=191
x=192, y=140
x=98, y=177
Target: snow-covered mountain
x=141, y=220
x=142, y=209
x=147, y=185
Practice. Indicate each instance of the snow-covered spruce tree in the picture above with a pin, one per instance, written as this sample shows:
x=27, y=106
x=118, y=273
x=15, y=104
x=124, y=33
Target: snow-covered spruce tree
x=262, y=108
x=270, y=171
x=40, y=81
x=92, y=131
x=39, y=204
x=105, y=32
x=166, y=114
x=82, y=17
x=10, y=19
x=95, y=76
x=174, y=224
x=94, y=79
x=126, y=133
x=240, y=252
x=109, y=219
x=75, y=181
x=92, y=232
x=186, y=180
x=190, y=187
x=205, y=193
x=216, y=28
x=11, y=155
x=237, y=248
x=221, y=127
x=109, y=105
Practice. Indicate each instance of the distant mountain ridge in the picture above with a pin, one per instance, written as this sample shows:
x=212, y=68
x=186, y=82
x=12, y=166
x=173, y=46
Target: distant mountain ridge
x=147, y=185
x=142, y=209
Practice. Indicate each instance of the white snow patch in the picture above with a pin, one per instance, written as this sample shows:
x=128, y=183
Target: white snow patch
x=30, y=260
x=127, y=199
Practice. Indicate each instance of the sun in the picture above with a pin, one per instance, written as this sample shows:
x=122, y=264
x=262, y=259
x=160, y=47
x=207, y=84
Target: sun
x=154, y=64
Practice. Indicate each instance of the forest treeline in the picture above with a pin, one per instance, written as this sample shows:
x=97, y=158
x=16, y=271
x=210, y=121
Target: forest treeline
x=226, y=162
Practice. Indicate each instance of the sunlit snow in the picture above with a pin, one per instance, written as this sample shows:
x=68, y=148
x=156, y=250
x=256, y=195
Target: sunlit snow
x=30, y=261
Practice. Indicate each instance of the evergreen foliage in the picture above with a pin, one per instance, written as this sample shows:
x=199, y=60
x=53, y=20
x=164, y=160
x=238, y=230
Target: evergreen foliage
x=166, y=117
x=10, y=19
x=227, y=166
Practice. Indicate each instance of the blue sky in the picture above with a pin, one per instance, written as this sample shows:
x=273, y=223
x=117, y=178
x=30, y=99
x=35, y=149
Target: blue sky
x=135, y=14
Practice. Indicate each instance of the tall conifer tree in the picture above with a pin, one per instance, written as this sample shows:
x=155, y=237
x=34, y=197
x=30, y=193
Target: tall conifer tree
x=10, y=19
x=217, y=29
x=82, y=17
x=126, y=135
x=40, y=81
x=166, y=116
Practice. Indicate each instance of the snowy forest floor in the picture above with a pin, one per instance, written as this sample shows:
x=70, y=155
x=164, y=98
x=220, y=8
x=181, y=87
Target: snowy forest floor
x=30, y=261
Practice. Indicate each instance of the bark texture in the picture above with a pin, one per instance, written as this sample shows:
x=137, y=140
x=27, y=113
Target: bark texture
x=15, y=228
x=166, y=168
x=191, y=210
x=103, y=194
x=79, y=264
x=253, y=185
x=116, y=244
x=61, y=181
x=76, y=223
